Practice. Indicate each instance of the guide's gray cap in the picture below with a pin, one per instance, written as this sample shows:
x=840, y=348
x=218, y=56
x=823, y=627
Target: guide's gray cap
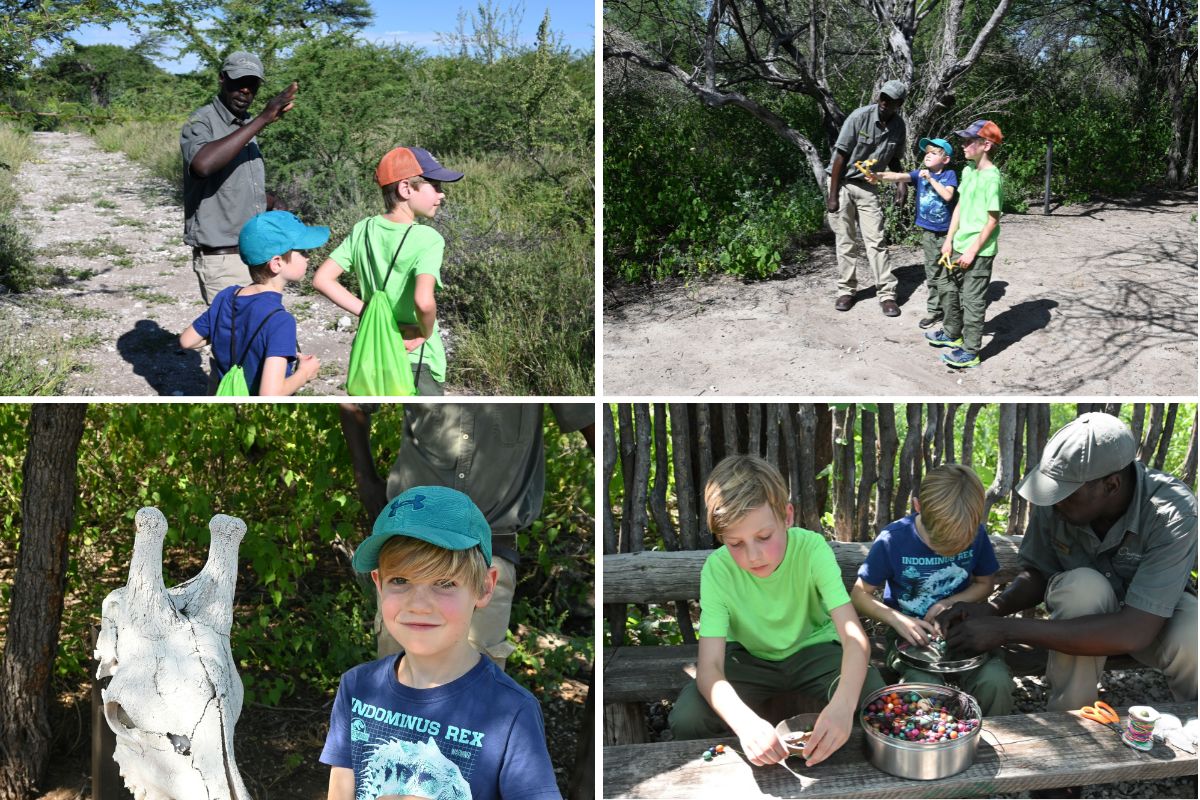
x=1089, y=447
x=895, y=90
x=241, y=64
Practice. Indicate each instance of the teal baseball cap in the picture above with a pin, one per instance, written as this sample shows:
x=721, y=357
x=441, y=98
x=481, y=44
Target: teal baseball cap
x=435, y=514
x=273, y=233
x=942, y=143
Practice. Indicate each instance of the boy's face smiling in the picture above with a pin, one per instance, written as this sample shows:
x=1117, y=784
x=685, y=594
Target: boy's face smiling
x=429, y=618
x=758, y=540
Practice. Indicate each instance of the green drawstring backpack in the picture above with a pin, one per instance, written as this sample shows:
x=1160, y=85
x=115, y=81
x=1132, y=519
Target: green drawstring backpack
x=379, y=364
x=233, y=382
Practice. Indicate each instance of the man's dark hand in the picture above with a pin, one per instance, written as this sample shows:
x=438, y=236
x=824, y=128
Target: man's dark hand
x=975, y=635
x=372, y=493
x=831, y=203
x=275, y=204
x=280, y=104
x=960, y=612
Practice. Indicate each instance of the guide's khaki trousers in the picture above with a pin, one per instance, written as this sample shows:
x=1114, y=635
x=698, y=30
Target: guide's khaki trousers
x=1072, y=679
x=859, y=212
x=215, y=272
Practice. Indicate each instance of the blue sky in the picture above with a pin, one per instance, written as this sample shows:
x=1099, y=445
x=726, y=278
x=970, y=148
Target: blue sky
x=413, y=23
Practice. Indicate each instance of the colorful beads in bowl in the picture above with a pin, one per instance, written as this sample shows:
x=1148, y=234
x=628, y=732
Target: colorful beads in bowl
x=913, y=717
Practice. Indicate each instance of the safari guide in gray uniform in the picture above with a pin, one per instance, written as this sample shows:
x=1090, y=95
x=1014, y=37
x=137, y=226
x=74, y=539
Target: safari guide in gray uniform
x=1110, y=549
x=223, y=178
x=875, y=131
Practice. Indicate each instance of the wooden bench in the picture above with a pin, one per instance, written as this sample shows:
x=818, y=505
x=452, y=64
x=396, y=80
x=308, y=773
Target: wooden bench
x=1016, y=753
x=635, y=675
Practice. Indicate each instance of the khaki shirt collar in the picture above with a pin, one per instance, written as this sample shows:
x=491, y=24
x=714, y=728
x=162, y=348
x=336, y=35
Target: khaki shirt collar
x=226, y=114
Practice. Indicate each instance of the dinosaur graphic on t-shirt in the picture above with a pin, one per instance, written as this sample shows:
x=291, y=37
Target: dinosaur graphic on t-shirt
x=416, y=769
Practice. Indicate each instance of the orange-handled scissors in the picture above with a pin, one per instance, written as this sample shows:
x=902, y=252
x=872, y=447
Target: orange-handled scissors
x=1103, y=713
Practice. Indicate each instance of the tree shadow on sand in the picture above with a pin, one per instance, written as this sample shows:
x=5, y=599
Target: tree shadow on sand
x=154, y=355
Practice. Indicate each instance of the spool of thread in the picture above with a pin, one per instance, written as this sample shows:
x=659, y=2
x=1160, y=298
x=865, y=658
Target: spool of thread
x=1139, y=731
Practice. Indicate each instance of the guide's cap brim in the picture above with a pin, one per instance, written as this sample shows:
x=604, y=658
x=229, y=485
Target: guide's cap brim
x=1092, y=446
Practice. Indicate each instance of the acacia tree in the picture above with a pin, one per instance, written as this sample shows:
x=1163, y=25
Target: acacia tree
x=27, y=23
x=47, y=513
x=210, y=29
x=737, y=48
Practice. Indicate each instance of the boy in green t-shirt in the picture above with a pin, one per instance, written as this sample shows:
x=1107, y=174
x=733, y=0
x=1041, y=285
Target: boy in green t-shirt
x=970, y=249
x=392, y=253
x=774, y=617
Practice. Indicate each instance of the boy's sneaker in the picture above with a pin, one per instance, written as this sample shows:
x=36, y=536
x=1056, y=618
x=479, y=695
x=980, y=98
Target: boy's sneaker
x=928, y=322
x=939, y=338
x=960, y=359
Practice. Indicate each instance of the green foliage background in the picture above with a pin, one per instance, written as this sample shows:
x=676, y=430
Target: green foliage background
x=300, y=619
x=692, y=190
x=518, y=270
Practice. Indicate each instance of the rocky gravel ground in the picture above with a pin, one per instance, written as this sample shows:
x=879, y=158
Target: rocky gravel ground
x=120, y=286
x=1119, y=688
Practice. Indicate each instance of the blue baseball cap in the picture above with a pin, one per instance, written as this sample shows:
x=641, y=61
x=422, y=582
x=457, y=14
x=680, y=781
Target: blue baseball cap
x=942, y=143
x=273, y=233
x=435, y=514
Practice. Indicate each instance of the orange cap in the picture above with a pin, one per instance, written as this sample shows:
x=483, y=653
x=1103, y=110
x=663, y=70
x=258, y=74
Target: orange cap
x=397, y=165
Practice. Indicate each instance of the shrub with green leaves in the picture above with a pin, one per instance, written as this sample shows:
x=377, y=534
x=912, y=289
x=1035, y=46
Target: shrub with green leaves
x=300, y=618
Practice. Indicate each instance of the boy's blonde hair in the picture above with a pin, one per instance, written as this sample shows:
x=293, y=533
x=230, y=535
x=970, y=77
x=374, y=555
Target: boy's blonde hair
x=738, y=485
x=951, y=498
x=418, y=560
x=391, y=191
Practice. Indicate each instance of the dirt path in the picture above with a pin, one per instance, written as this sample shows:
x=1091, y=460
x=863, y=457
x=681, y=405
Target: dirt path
x=126, y=290
x=1097, y=299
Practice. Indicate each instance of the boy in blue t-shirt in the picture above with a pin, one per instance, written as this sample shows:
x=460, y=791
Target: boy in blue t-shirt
x=927, y=562
x=936, y=187
x=248, y=325
x=439, y=719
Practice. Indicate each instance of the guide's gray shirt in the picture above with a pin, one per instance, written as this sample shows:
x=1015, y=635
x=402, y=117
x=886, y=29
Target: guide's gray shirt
x=864, y=135
x=215, y=208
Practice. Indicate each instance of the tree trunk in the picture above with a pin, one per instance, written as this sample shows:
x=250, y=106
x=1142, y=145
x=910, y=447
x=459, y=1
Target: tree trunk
x=658, y=497
x=1006, y=443
x=909, y=458
x=1146, y=448
x=641, y=477
x=47, y=513
x=968, y=437
x=866, y=484
x=843, y=473
x=1160, y=457
x=628, y=472
x=807, y=443
x=1188, y=473
x=888, y=442
x=610, y=464
x=685, y=496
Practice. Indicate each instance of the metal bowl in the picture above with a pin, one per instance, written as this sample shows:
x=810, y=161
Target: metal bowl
x=929, y=760
x=794, y=733
x=932, y=657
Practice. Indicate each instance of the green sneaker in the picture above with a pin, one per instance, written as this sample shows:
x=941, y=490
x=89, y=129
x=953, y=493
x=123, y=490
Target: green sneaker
x=939, y=338
x=960, y=359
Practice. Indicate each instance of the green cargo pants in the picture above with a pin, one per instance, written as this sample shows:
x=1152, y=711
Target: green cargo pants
x=931, y=247
x=963, y=297
x=813, y=670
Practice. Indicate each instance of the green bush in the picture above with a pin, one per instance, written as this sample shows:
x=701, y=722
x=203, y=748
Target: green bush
x=17, y=266
x=300, y=619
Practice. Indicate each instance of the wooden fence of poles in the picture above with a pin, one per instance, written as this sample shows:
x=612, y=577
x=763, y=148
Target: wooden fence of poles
x=865, y=484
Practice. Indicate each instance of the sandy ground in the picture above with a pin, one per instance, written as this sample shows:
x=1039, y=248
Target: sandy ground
x=129, y=302
x=1096, y=299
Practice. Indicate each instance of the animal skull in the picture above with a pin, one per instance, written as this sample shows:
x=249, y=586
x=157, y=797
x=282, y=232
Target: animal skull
x=175, y=694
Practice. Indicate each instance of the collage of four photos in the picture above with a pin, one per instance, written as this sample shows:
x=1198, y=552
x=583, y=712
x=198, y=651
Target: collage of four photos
x=626, y=399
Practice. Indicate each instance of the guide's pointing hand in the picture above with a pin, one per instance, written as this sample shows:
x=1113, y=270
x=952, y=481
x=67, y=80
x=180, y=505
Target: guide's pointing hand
x=281, y=103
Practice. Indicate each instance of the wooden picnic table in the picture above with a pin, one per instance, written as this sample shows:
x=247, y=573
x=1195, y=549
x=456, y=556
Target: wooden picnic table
x=1016, y=752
